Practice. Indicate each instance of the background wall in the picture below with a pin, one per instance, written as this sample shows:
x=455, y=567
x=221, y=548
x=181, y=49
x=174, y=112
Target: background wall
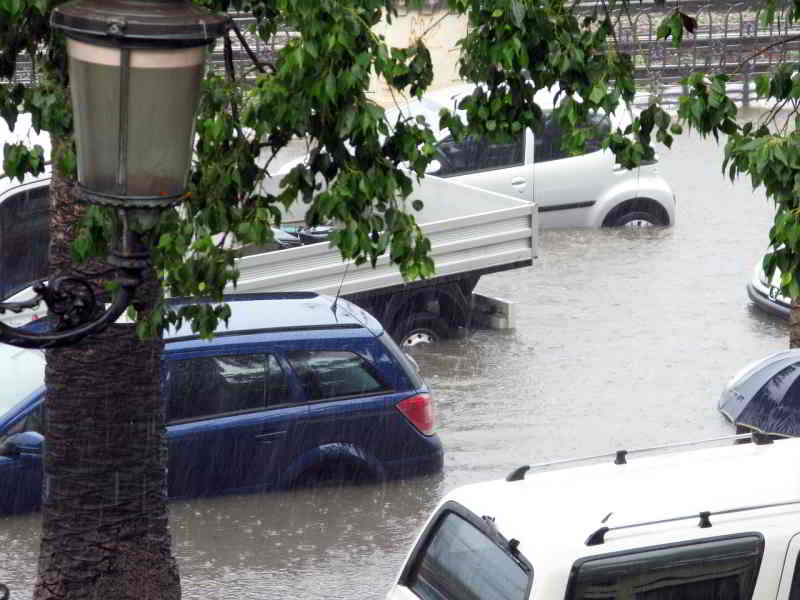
x=439, y=30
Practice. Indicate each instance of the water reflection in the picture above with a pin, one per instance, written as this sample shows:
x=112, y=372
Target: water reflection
x=19, y=549
x=302, y=544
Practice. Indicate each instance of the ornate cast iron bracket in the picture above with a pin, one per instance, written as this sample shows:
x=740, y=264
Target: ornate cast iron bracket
x=74, y=313
x=72, y=305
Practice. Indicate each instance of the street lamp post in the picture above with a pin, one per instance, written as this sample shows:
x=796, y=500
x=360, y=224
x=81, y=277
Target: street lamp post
x=136, y=70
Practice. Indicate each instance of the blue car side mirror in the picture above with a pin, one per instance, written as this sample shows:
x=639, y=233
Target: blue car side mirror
x=27, y=442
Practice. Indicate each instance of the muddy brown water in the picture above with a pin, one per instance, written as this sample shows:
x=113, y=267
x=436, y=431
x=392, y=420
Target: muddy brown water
x=623, y=339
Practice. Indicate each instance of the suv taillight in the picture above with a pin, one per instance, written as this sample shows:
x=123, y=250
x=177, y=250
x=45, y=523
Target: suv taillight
x=419, y=411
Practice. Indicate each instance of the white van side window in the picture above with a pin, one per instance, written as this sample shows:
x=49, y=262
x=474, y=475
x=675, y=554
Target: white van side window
x=461, y=560
x=794, y=592
x=723, y=568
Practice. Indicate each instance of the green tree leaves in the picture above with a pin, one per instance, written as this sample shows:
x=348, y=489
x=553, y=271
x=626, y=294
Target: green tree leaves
x=19, y=160
x=674, y=25
x=361, y=166
x=707, y=108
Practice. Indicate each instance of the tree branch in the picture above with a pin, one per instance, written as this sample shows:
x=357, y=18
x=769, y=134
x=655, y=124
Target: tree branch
x=231, y=75
x=257, y=63
x=433, y=25
x=766, y=48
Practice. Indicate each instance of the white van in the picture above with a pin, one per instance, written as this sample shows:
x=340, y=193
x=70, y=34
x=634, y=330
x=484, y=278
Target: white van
x=718, y=523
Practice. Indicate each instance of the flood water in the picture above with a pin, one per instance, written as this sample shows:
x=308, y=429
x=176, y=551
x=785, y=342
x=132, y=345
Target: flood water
x=623, y=339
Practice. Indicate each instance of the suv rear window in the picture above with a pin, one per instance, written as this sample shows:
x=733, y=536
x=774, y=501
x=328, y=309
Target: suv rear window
x=410, y=368
x=722, y=568
x=464, y=558
x=334, y=374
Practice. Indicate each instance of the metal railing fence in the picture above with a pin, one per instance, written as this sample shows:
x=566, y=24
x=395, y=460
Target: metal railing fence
x=730, y=38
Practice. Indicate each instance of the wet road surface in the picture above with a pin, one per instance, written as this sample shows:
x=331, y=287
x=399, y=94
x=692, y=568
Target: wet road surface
x=624, y=338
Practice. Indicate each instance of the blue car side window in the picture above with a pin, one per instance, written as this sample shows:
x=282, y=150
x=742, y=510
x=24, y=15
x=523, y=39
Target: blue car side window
x=327, y=374
x=277, y=383
x=206, y=386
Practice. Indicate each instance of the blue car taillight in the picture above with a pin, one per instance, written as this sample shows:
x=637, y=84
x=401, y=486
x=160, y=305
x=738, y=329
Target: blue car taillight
x=419, y=412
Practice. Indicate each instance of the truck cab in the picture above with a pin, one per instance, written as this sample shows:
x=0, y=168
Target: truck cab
x=24, y=234
x=24, y=214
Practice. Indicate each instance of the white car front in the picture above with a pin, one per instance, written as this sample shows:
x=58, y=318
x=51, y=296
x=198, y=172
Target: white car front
x=766, y=294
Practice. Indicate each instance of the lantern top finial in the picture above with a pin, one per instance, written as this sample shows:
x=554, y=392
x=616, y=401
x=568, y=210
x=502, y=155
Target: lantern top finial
x=160, y=23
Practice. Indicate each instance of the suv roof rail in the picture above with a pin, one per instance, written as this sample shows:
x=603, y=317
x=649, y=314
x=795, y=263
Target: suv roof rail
x=597, y=537
x=620, y=456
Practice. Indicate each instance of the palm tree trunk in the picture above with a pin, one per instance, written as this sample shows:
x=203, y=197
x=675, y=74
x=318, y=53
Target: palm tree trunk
x=105, y=531
x=794, y=324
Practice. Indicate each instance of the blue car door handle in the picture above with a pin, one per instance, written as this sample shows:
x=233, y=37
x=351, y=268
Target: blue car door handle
x=268, y=438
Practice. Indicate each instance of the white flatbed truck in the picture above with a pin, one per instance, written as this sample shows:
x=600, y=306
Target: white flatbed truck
x=472, y=232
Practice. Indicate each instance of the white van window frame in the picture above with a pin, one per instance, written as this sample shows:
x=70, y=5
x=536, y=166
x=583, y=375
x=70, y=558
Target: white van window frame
x=482, y=525
x=754, y=538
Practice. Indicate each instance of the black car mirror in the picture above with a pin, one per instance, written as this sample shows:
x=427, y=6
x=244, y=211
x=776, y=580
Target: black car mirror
x=27, y=442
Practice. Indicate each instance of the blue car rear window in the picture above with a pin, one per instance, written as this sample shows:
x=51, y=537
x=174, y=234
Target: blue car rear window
x=334, y=374
x=409, y=368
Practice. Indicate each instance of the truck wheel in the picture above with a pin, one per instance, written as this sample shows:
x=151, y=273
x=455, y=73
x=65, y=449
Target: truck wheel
x=423, y=328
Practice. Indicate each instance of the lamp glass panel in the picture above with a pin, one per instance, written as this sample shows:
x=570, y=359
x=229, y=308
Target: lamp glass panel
x=94, y=81
x=163, y=94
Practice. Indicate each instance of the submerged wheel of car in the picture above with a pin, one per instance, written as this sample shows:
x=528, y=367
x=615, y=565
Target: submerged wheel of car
x=636, y=220
x=423, y=328
x=636, y=214
x=335, y=474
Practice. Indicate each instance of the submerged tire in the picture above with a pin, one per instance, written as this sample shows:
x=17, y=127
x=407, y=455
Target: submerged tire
x=336, y=473
x=423, y=328
x=638, y=213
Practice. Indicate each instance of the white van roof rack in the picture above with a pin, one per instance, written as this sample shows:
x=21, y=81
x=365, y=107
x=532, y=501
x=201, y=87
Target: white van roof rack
x=598, y=537
x=620, y=456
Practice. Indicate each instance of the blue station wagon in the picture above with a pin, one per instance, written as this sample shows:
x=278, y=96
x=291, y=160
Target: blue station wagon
x=297, y=389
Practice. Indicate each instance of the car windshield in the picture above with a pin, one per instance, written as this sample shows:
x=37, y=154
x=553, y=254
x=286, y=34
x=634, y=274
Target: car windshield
x=24, y=373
